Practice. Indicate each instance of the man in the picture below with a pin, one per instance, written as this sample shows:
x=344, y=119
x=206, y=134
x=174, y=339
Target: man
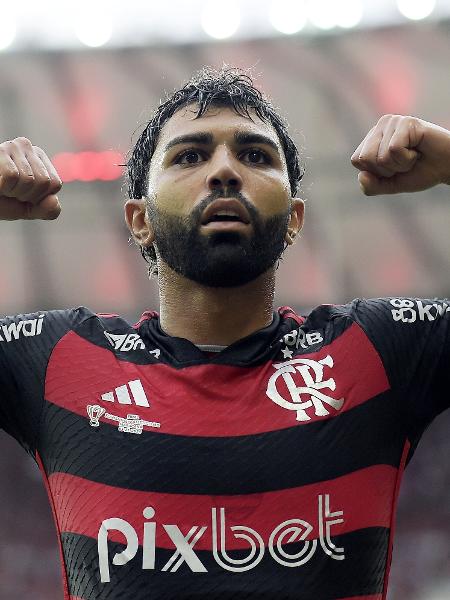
x=223, y=449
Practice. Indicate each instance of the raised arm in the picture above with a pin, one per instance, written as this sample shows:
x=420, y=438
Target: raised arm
x=28, y=187
x=406, y=154
x=28, y=182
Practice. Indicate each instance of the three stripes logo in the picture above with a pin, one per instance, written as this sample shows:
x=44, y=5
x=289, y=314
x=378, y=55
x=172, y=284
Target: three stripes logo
x=122, y=394
x=132, y=393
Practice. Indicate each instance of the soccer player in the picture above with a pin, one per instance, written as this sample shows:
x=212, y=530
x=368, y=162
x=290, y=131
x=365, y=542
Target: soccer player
x=222, y=449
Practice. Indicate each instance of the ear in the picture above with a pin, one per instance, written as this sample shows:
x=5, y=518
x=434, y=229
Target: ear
x=137, y=221
x=295, y=220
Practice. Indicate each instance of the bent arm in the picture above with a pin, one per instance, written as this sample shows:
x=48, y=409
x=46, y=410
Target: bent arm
x=29, y=185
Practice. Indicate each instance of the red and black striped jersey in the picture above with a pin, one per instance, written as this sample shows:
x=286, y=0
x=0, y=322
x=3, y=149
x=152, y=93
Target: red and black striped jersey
x=270, y=469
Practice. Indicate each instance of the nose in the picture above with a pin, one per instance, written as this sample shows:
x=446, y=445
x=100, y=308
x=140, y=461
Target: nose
x=223, y=173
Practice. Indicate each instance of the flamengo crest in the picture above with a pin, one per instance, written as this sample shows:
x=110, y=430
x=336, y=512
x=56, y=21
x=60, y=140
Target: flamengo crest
x=310, y=374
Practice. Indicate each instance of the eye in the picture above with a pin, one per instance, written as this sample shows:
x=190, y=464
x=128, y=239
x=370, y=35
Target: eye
x=256, y=157
x=189, y=157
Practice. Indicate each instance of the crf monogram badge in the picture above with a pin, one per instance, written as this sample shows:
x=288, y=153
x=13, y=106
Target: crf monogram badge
x=312, y=373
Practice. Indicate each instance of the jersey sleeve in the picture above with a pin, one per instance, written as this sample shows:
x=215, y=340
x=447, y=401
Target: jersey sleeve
x=26, y=344
x=412, y=337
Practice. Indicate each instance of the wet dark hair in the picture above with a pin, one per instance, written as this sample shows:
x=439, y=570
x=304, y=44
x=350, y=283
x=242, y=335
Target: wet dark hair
x=209, y=87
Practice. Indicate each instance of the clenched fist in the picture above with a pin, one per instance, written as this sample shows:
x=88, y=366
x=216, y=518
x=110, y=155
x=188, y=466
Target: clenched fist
x=402, y=154
x=28, y=182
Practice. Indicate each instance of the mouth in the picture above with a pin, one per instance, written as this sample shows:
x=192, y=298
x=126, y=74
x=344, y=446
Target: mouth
x=225, y=214
x=226, y=225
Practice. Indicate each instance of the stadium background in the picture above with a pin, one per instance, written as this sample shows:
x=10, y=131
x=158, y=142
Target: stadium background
x=82, y=106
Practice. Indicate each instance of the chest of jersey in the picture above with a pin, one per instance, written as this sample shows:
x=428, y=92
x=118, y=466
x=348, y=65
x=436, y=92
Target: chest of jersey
x=217, y=467
x=218, y=429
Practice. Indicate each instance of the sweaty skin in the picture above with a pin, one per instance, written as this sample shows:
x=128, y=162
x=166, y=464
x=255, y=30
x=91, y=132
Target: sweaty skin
x=399, y=154
x=202, y=314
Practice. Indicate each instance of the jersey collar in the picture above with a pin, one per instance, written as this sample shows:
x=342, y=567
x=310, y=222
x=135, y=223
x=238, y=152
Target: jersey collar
x=256, y=348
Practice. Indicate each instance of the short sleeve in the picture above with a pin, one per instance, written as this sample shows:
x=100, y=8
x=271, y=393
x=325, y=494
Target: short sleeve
x=412, y=337
x=26, y=344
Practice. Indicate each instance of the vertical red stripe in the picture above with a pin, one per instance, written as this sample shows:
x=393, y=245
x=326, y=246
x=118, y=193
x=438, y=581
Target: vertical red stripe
x=58, y=529
x=400, y=471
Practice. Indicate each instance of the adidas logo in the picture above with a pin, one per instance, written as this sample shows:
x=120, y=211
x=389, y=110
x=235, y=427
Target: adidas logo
x=122, y=394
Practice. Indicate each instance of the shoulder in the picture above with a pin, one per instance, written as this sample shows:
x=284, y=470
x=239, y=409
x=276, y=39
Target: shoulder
x=397, y=310
x=388, y=322
x=45, y=323
x=55, y=324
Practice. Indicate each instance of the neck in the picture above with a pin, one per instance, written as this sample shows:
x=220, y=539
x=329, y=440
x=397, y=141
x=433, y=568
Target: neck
x=205, y=315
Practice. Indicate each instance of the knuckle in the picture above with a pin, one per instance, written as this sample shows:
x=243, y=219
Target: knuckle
x=383, y=160
x=23, y=141
x=39, y=153
x=385, y=118
x=11, y=175
x=42, y=182
x=39, y=190
x=26, y=185
x=11, y=146
x=395, y=147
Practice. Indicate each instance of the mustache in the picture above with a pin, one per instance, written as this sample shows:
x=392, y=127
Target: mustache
x=220, y=193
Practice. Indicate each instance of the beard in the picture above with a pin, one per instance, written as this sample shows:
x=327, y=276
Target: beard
x=221, y=258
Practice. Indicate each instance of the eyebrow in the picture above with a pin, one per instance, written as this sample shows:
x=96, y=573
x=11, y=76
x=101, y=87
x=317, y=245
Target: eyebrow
x=190, y=138
x=246, y=137
x=242, y=138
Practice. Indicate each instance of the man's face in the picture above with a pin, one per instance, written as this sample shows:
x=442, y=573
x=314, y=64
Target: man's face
x=219, y=197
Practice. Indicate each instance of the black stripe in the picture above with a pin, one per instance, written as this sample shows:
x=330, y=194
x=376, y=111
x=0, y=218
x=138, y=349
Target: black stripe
x=152, y=461
x=321, y=578
x=415, y=354
x=23, y=363
x=255, y=349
